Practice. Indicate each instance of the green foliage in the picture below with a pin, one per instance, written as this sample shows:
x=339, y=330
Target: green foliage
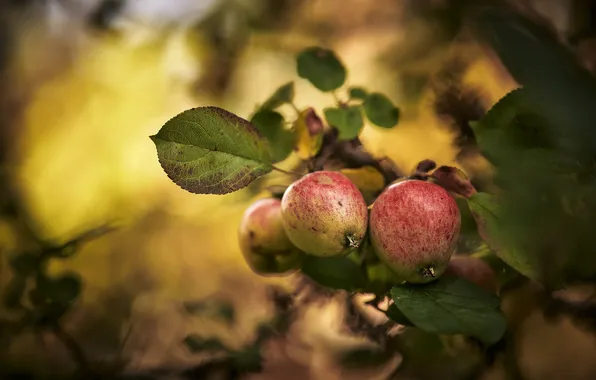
x=272, y=125
x=25, y=264
x=212, y=308
x=334, y=272
x=196, y=344
x=396, y=315
x=485, y=210
x=208, y=150
x=283, y=95
x=62, y=290
x=380, y=110
x=14, y=292
x=452, y=306
x=322, y=68
x=347, y=120
x=357, y=93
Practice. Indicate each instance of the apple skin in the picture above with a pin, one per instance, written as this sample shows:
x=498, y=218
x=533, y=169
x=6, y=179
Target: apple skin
x=263, y=241
x=324, y=214
x=414, y=228
x=473, y=269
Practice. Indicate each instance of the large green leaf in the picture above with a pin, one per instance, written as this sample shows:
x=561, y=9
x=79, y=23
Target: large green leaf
x=272, y=125
x=322, y=68
x=208, y=150
x=334, y=272
x=283, y=95
x=485, y=210
x=452, y=306
x=348, y=121
x=380, y=110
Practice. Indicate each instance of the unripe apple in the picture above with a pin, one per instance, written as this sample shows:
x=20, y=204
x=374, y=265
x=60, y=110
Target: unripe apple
x=473, y=269
x=414, y=227
x=263, y=241
x=324, y=214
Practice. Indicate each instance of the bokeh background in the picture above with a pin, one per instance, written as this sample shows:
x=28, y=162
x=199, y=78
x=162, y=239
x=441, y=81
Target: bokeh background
x=84, y=84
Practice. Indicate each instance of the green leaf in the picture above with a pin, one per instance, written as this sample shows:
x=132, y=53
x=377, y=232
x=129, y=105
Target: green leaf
x=208, y=150
x=348, y=121
x=281, y=96
x=396, y=315
x=322, y=68
x=334, y=272
x=61, y=290
x=452, y=306
x=196, y=344
x=380, y=110
x=485, y=210
x=357, y=93
x=272, y=125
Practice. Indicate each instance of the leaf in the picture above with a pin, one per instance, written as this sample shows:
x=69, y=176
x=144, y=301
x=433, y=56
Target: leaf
x=348, y=121
x=363, y=357
x=281, y=96
x=62, y=290
x=208, y=150
x=322, y=68
x=25, y=264
x=272, y=125
x=380, y=110
x=396, y=315
x=485, y=210
x=196, y=344
x=309, y=134
x=357, y=93
x=212, y=308
x=334, y=272
x=454, y=180
x=369, y=181
x=247, y=360
x=452, y=306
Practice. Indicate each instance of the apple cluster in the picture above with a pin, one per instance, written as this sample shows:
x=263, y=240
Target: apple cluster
x=413, y=227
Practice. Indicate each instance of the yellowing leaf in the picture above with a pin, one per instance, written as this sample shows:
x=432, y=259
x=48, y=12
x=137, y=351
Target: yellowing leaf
x=369, y=181
x=309, y=134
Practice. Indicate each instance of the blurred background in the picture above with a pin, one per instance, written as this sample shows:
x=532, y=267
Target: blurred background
x=84, y=83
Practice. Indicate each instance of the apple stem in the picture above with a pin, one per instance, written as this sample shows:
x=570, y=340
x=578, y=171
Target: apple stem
x=429, y=271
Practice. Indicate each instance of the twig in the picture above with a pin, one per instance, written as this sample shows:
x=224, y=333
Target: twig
x=73, y=348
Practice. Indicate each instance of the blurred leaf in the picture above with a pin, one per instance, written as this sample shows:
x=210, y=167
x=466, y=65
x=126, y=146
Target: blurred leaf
x=14, y=292
x=380, y=110
x=272, y=125
x=208, y=150
x=348, y=121
x=485, y=210
x=364, y=357
x=322, y=68
x=309, y=134
x=212, y=308
x=334, y=272
x=369, y=181
x=381, y=278
x=196, y=344
x=283, y=95
x=358, y=93
x=25, y=264
x=452, y=306
x=248, y=360
x=453, y=180
x=396, y=315
x=62, y=290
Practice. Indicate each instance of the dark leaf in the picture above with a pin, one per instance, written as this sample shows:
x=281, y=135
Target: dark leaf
x=396, y=315
x=25, y=264
x=425, y=166
x=196, y=343
x=454, y=180
x=380, y=110
x=248, y=360
x=283, y=95
x=348, y=121
x=14, y=292
x=272, y=125
x=322, y=68
x=452, y=306
x=334, y=272
x=358, y=93
x=62, y=290
x=364, y=357
x=208, y=150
